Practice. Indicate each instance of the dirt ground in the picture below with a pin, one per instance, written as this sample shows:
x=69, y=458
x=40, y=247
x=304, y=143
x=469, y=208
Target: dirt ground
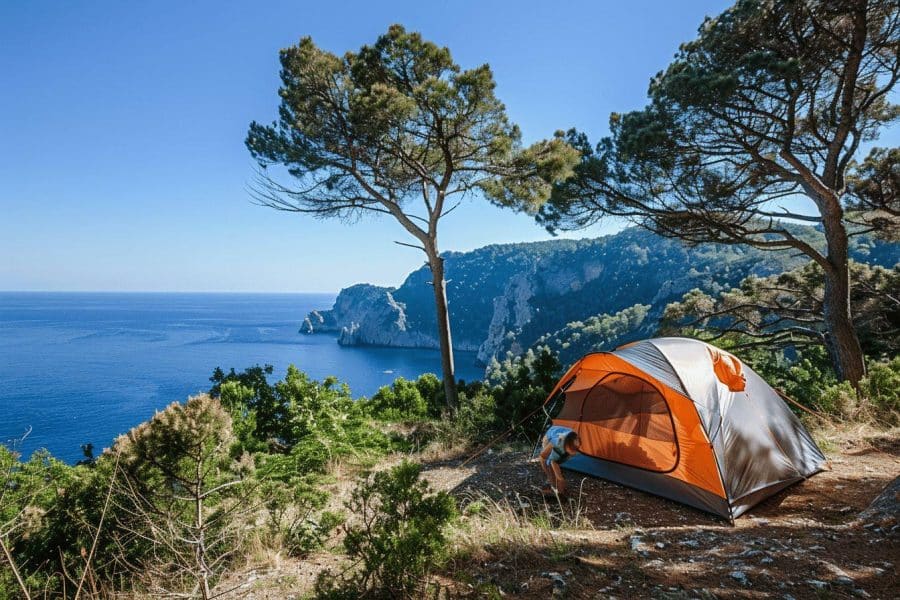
x=608, y=541
x=806, y=542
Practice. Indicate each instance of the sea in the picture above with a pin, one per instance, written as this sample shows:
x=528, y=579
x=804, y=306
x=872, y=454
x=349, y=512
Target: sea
x=78, y=368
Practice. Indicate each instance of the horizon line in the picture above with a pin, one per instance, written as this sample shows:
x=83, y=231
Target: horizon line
x=253, y=292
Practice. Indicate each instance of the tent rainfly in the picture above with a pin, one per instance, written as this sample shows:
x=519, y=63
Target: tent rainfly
x=682, y=419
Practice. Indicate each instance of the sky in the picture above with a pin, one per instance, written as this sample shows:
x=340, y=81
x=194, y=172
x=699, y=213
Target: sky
x=122, y=126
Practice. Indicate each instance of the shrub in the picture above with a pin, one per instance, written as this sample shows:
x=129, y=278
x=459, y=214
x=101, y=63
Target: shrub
x=476, y=418
x=401, y=401
x=431, y=388
x=315, y=422
x=259, y=414
x=882, y=389
x=878, y=397
x=519, y=386
x=180, y=509
x=294, y=515
x=406, y=400
x=34, y=525
x=401, y=536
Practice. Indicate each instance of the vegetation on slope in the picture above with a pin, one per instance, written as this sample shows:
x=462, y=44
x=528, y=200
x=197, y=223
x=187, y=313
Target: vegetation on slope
x=189, y=497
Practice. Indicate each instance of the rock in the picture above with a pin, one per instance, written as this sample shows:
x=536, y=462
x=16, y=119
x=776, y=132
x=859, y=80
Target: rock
x=660, y=545
x=636, y=543
x=884, y=510
x=840, y=576
x=819, y=585
x=506, y=297
x=367, y=314
x=740, y=577
x=558, y=582
x=689, y=543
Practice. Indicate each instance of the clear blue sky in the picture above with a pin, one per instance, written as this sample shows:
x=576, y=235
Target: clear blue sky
x=122, y=164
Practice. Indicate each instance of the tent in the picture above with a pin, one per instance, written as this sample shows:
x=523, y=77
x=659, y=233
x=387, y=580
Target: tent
x=682, y=419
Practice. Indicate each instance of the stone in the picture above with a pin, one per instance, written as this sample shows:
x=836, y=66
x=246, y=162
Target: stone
x=558, y=582
x=815, y=583
x=636, y=543
x=740, y=577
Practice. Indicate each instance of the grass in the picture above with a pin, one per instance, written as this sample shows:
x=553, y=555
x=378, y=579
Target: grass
x=517, y=523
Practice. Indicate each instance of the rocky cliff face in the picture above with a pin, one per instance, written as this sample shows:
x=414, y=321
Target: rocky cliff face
x=366, y=314
x=507, y=297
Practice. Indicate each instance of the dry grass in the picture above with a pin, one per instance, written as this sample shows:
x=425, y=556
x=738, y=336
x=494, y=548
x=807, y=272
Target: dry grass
x=510, y=540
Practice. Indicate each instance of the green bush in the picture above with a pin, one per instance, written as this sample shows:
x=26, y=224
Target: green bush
x=878, y=397
x=36, y=524
x=399, y=539
x=431, y=388
x=179, y=482
x=406, y=400
x=475, y=420
x=519, y=386
x=882, y=389
x=401, y=401
x=312, y=422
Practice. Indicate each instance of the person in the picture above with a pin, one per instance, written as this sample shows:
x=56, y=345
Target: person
x=560, y=444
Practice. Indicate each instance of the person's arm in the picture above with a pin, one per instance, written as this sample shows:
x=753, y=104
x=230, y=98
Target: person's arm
x=558, y=477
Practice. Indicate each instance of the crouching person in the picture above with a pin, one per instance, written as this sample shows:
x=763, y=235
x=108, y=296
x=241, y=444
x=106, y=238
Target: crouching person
x=560, y=444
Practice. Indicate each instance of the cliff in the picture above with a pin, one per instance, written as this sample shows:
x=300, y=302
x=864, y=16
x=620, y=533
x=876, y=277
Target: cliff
x=508, y=297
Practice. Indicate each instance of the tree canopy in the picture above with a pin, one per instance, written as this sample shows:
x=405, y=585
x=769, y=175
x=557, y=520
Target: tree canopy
x=398, y=128
x=396, y=122
x=785, y=310
x=771, y=101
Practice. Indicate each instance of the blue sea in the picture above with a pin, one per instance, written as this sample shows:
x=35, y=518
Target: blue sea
x=85, y=367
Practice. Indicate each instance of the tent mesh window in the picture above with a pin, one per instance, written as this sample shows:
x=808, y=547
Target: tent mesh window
x=625, y=419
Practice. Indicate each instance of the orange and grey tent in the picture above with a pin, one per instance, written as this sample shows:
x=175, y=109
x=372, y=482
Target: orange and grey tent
x=682, y=419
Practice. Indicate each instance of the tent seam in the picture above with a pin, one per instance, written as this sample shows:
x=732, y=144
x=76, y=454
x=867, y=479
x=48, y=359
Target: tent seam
x=712, y=448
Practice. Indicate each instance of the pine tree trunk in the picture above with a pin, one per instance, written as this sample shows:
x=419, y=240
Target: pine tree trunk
x=200, y=549
x=436, y=263
x=841, y=337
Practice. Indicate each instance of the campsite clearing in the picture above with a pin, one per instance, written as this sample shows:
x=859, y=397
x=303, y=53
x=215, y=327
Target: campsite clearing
x=804, y=542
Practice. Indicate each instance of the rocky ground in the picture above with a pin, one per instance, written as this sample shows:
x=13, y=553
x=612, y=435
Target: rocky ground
x=814, y=540
x=833, y=536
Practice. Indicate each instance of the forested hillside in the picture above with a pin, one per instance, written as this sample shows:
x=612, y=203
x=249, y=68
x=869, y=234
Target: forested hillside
x=560, y=292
